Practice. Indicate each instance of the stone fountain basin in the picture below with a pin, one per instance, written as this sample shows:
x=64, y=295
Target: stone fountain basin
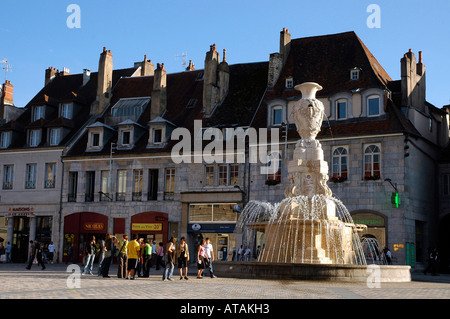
x=313, y=272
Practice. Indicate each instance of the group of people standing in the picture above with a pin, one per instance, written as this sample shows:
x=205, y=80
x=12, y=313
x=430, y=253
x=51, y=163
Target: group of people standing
x=135, y=257
x=178, y=254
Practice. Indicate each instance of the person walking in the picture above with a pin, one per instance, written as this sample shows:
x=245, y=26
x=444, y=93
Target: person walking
x=170, y=259
x=36, y=253
x=146, y=258
x=182, y=253
x=209, y=252
x=122, y=269
x=154, y=254
x=101, y=256
x=388, y=255
x=133, y=251
x=160, y=256
x=51, y=252
x=108, y=249
x=201, y=259
x=240, y=254
x=89, y=250
x=8, y=252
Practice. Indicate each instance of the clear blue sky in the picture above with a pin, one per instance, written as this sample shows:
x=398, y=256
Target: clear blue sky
x=34, y=34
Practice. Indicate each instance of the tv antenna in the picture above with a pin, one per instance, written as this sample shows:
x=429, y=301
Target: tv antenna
x=183, y=56
x=6, y=67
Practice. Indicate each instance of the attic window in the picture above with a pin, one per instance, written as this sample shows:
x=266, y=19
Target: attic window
x=192, y=103
x=95, y=139
x=157, y=136
x=289, y=82
x=126, y=137
x=354, y=74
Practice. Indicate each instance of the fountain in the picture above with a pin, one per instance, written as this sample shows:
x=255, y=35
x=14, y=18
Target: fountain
x=309, y=234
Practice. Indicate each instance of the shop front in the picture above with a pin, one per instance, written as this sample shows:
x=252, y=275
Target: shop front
x=376, y=225
x=216, y=221
x=151, y=226
x=79, y=228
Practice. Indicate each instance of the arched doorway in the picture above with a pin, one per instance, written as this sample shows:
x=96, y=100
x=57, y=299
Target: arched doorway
x=78, y=228
x=444, y=244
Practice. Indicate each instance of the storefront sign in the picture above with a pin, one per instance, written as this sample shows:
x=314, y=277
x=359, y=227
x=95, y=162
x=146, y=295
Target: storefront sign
x=20, y=211
x=212, y=227
x=94, y=226
x=196, y=227
x=146, y=227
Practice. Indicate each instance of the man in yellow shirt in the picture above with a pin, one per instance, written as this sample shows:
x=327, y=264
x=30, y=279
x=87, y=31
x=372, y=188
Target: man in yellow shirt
x=133, y=251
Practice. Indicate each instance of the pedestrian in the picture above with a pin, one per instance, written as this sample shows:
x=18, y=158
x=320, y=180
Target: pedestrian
x=101, y=256
x=209, y=252
x=388, y=255
x=431, y=261
x=201, y=259
x=133, y=250
x=70, y=254
x=45, y=253
x=169, y=259
x=247, y=254
x=122, y=269
x=182, y=253
x=2, y=252
x=154, y=254
x=146, y=258
x=36, y=253
x=51, y=252
x=233, y=256
x=89, y=251
x=160, y=256
x=110, y=240
x=240, y=254
x=8, y=252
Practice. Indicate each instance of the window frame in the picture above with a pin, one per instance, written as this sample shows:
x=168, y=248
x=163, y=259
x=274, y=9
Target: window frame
x=272, y=114
x=37, y=110
x=52, y=140
x=337, y=102
x=50, y=175
x=373, y=97
x=5, y=142
x=8, y=177
x=66, y=110
x=339, y=152
x=34, y=138
x=30, y=175
x=373, y=172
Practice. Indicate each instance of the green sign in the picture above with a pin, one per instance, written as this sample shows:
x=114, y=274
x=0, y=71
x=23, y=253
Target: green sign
x=411, y=254
x=395, y=200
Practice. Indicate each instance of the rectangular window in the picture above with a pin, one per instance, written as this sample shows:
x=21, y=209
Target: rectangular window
x=341, y=110
x=126, y=137
x=372, y=162
x=210, y=175
x=90, y=186
x=34, y=137
x=95, y=139
x=55, y=136
x=277, y=116
x=73, y=185
x=8, y=176
x=106, y=186
x=38, y=113
x=153, y=184
x=169, y=187
x=66, y=111
x=212, y=213
x=339, y=164
x=374, y=106
x=157, y=136
x=234, y=174
x=30, y=176
x=138, y=177
x=50, y=175
x=121, y=184
x=223, y=174
x=5, y=139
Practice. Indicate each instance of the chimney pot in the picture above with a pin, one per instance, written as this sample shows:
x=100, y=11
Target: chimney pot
x=420, y=56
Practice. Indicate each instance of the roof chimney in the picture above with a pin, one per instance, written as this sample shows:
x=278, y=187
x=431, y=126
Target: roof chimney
x=104, y=82
x=7, y=93
x=191, y=66
x=50, y=73
x=210, y=89
x=159, y=93
x=147, y=67
x=285, y=43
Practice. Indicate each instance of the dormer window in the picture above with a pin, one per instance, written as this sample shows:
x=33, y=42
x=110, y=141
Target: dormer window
x=277, y=115
x=66, y=110
x=126, y=137
x=34, y=138
x=341, y=109
x=95, y=139
x=354, y=74
x=5, y=139
x=289, y=82
x=55, y=136
x=38, y=112
x=157, y=136
x=373, y=105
